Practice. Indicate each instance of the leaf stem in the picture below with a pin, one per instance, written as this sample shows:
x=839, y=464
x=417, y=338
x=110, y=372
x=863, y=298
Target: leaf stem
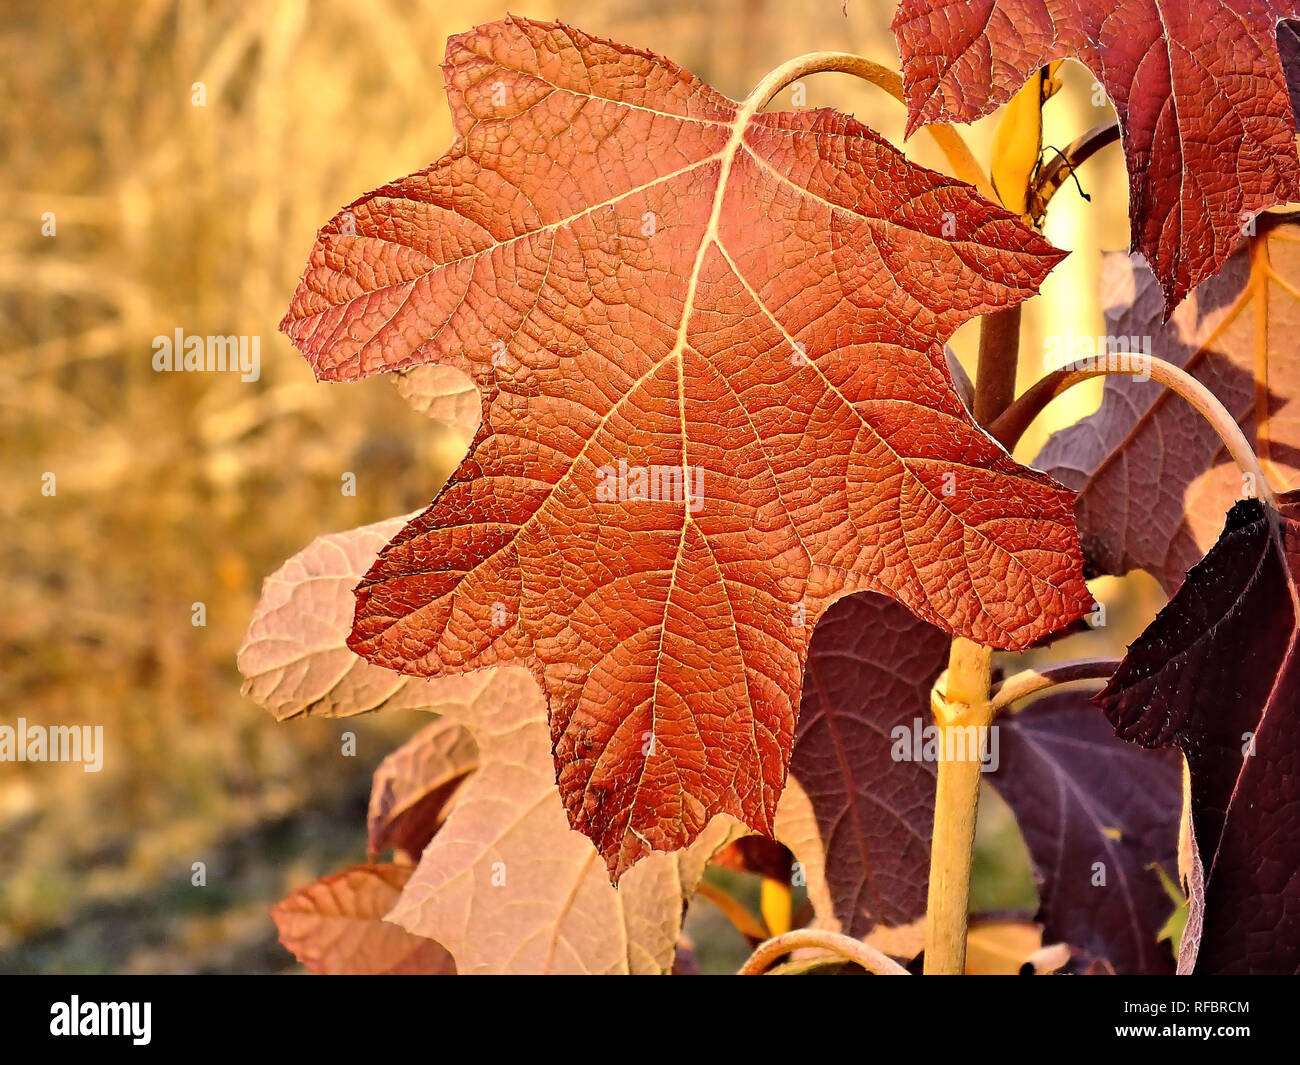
x=959, y=700
x=1011, y=424
x=735, y=911
x=1051, y=176
x=855, y=950
x=1034, y=680
x=999, y=359
x=950, y=142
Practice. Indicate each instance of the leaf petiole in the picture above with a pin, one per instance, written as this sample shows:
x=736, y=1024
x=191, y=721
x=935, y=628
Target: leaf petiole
x=950, y=142
x=871, y=959
x=1051, y=176
x=1011, y=424
x=1029, y=681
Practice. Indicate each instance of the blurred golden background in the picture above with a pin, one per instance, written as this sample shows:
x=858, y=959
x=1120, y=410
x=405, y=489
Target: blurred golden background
x=176, y=489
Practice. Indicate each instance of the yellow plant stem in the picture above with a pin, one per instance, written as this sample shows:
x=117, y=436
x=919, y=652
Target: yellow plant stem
x=1035, y=680
x=960, y=700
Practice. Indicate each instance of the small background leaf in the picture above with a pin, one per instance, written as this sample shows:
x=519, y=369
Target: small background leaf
x=295, y=659
x=335, y=926
x=416, y=785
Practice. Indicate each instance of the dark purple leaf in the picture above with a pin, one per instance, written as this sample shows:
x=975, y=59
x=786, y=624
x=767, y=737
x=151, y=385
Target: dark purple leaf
x=1096, y=814
x=870, y=669
x=1217, y=674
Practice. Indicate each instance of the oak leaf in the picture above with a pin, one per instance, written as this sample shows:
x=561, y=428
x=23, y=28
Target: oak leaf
x=1217, y=675
x=866, y=697
x=646, y=279
x=416, y=785
x=508, y=887
x=1153, y=478
x=1205, y=115
x=335, y=926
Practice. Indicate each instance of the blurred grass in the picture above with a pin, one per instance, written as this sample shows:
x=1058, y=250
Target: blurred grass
x=181, y=488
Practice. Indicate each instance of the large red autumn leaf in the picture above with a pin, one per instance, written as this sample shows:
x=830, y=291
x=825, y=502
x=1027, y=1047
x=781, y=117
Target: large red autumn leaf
x=503, y=881
x=645, y=278
x=1217, y=674
x=1153, y=478
x=1204, y=111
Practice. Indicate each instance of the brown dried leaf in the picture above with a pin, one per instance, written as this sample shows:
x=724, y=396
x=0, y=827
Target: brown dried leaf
x=335, y=926
x=416, y=785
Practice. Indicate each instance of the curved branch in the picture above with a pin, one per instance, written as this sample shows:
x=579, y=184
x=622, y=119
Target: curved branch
x=1012, y=423
x=950, y=142
x=1056, y=173
x=846, y=946
x=1035, y=680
